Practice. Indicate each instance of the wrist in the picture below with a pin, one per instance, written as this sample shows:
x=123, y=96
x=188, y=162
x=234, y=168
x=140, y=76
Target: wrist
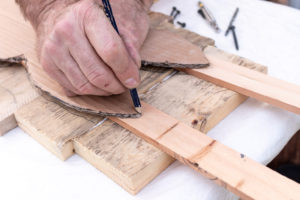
x=51, y=11
x=147, y=4
x=35, y=10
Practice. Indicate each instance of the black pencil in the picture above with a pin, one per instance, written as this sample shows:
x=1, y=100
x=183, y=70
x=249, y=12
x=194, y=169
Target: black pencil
x=133, y=92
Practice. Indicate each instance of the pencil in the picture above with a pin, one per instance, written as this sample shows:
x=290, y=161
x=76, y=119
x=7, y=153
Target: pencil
x=133, y=92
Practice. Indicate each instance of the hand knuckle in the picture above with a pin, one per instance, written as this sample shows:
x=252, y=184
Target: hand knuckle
x=64, y=29
x=68, y=68
x=83, y=88
x=98, y=78
x=49, y=48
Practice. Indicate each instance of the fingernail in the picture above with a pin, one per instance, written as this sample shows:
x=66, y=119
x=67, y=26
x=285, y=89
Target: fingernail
x=131, y=83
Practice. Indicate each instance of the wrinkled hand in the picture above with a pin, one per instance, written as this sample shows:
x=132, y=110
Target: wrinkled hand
x=80, y=49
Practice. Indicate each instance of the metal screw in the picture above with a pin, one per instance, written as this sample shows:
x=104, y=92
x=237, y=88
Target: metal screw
x=182, y=24
x=174, y=9
x=176, y=14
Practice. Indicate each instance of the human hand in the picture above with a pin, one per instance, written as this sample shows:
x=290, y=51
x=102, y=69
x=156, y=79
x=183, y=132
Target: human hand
x=79, y=48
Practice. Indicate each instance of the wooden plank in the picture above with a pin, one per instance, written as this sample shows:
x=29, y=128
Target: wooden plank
x=54, y=126
x=15, y=88
x=132, y=164
x=230, y=169
x=250, y=83
x=125, y=158
x=15, y=91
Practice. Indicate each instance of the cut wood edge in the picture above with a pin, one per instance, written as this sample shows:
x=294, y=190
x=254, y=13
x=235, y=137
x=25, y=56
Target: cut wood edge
x=131, y=184
x=219, y=163
x=63, y=152
x=8, y=123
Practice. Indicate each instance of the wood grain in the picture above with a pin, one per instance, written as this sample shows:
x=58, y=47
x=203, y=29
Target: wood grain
x=15, y=88
x=230, y=169
x=198, y=103
x=56, y=127
x=125, y=158
x=250, y=83
x=15, y=91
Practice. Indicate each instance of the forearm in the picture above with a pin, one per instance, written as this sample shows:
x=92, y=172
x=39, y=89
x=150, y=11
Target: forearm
x=147, y=3
x=35, y=10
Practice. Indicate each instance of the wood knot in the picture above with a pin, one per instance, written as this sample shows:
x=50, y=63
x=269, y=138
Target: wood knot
x=195, y=122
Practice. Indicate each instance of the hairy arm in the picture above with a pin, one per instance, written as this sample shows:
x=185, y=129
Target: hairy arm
x=79, y=48
x=34, y=10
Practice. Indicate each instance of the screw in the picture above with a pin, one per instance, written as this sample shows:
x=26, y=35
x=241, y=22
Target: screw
x=174, y=9
x=176, y=14
x=182, y=24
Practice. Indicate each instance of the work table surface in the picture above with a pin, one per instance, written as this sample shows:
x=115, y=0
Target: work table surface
x=267, y=33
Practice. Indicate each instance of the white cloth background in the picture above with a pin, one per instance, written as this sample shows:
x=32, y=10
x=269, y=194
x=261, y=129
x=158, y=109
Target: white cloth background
x=268, y=34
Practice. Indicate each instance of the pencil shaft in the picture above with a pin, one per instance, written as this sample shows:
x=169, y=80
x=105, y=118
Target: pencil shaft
x=109, y=14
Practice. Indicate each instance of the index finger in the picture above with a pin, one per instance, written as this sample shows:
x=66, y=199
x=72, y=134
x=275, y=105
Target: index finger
x=110, y=47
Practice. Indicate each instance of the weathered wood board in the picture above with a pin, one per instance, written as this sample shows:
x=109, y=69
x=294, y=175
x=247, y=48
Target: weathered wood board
x=15, y=89
x=125, y=158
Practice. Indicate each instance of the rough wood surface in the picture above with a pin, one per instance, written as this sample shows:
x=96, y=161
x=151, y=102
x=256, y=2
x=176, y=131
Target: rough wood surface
x=54, y=126
x=15, y=88
x=250, y=83
x=199, y=103
x=230, y=169
x=15, y=91
x=127, y=159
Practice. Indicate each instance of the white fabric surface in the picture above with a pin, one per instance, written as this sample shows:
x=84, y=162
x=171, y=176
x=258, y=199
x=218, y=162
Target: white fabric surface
x=268, y=34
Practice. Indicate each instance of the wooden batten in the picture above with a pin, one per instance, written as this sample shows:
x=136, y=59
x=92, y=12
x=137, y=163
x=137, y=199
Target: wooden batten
x=234, y=171
x=250, y=83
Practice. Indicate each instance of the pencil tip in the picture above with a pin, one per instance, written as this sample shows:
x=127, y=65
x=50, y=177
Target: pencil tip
x=138, y=109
